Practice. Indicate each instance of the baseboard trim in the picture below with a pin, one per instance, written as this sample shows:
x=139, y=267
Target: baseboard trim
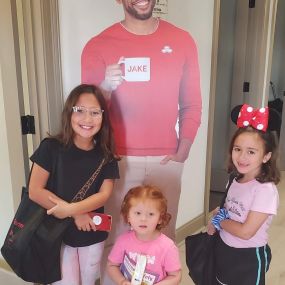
x=190, y=228
x=4, y=265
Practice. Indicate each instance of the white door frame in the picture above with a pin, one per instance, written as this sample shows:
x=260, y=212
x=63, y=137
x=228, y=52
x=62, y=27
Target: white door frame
x=12, y=173
x=12, y=158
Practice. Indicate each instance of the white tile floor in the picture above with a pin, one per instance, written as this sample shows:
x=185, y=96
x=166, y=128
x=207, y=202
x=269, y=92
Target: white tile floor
x=275, y=276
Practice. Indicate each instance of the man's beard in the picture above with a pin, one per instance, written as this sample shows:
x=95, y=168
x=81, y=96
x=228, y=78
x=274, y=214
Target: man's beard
x=138, y=16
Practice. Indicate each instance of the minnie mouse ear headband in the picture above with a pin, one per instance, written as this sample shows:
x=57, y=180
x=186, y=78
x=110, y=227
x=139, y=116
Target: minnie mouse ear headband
x=261, y=119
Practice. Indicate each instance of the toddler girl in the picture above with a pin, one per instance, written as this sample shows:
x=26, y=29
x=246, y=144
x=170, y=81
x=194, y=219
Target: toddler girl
x=144, y=255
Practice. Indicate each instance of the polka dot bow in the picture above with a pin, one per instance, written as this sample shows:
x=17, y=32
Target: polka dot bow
x=257, y=118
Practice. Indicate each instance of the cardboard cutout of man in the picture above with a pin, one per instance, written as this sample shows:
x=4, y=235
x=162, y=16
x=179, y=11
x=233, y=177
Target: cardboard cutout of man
x=148, y=70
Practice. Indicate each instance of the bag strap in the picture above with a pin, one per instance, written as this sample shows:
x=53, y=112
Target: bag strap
x=82, y=192
x=231, y=179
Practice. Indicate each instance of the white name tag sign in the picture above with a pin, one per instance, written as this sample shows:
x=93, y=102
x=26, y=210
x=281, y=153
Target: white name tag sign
x=136, y=68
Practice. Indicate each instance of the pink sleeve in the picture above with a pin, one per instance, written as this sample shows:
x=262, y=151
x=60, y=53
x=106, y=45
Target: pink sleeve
x=172, y=260
x=92, y=64
x=266, y=199
x=117, y=253
x=190, y=102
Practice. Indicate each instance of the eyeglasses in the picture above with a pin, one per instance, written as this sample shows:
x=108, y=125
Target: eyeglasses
x=82, y=111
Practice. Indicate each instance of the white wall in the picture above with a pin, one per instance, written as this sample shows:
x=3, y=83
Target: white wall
x=223, y=93
x=224, y=82
x=6, y=198
x=278, y=60
x=79, y=21
x=92, y=16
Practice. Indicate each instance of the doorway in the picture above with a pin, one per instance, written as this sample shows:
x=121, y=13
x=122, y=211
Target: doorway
x=225, y=62
x=244, y=54
x=277, y=77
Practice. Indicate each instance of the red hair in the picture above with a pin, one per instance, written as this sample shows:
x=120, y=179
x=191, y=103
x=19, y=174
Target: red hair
x=146, y=192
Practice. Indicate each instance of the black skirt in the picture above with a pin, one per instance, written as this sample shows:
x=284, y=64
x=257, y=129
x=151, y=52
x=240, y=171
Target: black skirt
x=246, y=266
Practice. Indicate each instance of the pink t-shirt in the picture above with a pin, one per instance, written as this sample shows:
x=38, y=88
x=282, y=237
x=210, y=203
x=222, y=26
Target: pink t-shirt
x=162, y=256
x=250, y=196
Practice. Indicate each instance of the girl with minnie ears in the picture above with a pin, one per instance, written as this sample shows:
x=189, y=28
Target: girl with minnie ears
x=242, y=253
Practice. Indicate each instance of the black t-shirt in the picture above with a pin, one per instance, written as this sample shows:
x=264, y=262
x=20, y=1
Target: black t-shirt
x=70, y=168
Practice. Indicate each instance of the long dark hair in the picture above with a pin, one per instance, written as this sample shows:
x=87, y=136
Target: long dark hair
x=269, y=170
x=105, y=135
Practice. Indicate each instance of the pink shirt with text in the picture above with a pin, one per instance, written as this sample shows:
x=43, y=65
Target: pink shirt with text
x=250, y=196
x=162, y=256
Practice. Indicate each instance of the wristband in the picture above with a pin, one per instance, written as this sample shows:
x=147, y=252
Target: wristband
x=220, y=216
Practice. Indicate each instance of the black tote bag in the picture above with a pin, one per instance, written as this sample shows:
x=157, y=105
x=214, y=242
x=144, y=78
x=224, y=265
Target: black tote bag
x=200, y=258
x=32, y=245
